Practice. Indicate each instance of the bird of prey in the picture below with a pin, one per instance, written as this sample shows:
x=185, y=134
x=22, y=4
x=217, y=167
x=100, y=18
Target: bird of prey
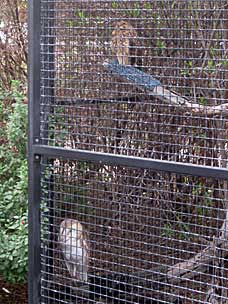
x=124, y=43
x=73, y=242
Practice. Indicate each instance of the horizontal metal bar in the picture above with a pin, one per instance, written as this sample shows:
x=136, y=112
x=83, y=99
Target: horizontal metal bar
x=131, y=161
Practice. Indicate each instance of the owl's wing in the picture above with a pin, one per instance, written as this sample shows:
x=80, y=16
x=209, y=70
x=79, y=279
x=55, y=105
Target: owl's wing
x=122, y=48
x=85, y=260
x=71, y=268
x=80, y=260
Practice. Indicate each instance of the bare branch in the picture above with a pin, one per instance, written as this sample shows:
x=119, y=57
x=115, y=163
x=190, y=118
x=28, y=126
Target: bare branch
x=199, y=262
x=174, y=99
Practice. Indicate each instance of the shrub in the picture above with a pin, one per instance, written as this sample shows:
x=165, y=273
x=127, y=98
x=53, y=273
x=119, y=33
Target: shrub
x=13, y=184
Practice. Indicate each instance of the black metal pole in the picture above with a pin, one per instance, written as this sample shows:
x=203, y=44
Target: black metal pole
x=47, y=83
x=34, y=161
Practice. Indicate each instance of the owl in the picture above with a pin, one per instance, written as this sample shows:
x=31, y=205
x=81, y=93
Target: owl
x=73, y=242
x=124, y=43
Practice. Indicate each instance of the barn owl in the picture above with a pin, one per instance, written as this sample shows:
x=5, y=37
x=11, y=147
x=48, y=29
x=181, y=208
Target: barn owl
x=123, y=43
x=74, y=245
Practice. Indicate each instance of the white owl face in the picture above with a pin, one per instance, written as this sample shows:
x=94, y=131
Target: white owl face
x=74, y=245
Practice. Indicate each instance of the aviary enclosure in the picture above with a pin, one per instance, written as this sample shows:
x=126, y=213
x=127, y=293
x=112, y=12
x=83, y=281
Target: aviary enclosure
x=128, y=151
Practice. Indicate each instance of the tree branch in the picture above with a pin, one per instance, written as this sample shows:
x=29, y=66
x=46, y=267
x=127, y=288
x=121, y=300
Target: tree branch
x=174, y=99
x=199, y=263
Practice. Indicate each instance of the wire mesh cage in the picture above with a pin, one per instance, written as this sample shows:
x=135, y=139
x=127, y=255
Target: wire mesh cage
x=182, y=44
x=129, y=152
x=151, y=237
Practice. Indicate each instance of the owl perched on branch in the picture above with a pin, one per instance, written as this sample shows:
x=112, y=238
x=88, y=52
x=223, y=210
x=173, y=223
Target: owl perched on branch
x=124, y=43
x=73, y=242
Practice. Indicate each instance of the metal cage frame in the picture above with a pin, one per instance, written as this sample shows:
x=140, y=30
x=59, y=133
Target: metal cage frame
x=38, y=151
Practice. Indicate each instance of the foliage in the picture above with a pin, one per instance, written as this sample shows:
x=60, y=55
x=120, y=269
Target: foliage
x=13, y=184
x=13, y=41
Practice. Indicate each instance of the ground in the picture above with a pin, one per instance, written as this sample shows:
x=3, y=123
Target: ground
x=12, y=293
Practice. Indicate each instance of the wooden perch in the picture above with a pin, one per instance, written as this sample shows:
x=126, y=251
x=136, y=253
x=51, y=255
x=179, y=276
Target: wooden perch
x=199, y=263
x=174, y=99
x=194, y=266
x=147, y=82
x=212, y=255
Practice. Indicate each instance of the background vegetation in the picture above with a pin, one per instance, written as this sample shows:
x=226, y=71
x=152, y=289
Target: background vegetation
x=13, y=151
x=13, y=188
x=200, y=135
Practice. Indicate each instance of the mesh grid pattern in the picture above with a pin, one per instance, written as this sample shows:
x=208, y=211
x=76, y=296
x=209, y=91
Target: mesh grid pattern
x=145, y=79
x=142, y=226
x=183, y=44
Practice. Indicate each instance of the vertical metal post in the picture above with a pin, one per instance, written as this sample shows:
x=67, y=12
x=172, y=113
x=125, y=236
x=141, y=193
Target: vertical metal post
x=47, y=109
x=34, y=161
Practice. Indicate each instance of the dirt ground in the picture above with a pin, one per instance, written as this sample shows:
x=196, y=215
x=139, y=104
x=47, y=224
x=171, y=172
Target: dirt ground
x=13, y=293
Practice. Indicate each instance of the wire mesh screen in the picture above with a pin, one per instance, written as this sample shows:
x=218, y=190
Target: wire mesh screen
x=145, y=236
x=133, y=78
x=141, y=78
